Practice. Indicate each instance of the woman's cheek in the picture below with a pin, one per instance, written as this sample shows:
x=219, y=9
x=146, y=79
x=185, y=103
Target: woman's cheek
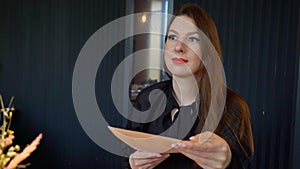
x=167, y=59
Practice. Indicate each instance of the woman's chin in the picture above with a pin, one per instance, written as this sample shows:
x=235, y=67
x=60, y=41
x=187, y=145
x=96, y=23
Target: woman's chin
x=181, y=74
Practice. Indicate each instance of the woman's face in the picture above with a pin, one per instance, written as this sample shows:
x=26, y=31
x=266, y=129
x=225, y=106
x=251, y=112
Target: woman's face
x=182, y=48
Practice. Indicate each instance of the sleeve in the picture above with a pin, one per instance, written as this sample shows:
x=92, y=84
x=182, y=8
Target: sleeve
x=131, y=126
x=236, y=130
x=141, y=103
x=236, y=161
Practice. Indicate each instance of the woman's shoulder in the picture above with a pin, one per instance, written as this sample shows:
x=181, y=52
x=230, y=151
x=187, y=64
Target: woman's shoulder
x=163, y=86
x=237, y=117
x=142, y=100
x=236, y=110
x=235, y=103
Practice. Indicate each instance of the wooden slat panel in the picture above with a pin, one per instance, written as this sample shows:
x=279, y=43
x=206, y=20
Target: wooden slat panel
x=259, y=52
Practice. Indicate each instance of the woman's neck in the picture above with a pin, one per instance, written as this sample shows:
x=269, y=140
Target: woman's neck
x=185, y=89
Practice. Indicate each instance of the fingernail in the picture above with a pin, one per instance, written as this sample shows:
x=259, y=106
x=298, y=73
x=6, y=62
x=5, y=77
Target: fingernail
x=181, y=145
x=175, y=145
x=192, y=138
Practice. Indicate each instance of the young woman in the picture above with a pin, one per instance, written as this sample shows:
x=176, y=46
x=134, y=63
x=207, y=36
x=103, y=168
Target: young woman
x=191, y=42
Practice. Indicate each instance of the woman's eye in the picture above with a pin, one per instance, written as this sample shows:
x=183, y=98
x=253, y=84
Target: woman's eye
x=193, y=39
x=172, y=37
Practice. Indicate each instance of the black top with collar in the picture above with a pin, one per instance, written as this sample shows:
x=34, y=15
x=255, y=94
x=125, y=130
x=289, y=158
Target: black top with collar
x=188, y=114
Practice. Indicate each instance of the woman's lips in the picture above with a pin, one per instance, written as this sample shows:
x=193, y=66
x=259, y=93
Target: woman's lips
x=179, y=60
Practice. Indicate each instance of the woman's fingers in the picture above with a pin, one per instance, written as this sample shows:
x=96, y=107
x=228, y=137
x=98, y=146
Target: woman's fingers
x=209, y=159
x=140, y=154
x=219, y=156
x=144, y=160
x=203, y=162
x=149, y=163
x=207, y=149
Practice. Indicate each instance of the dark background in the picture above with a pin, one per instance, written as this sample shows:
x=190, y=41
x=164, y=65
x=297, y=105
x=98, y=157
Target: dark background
x=41, y=39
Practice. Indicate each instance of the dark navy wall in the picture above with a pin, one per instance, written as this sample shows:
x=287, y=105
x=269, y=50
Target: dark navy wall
x=259, y=42
x=39, y=43
x=41, y=39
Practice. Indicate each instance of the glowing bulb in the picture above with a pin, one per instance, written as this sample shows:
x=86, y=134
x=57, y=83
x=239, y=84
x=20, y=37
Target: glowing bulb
x=144, y=18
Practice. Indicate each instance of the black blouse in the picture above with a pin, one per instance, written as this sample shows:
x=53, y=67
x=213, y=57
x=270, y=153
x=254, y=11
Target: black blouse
x=186, y=116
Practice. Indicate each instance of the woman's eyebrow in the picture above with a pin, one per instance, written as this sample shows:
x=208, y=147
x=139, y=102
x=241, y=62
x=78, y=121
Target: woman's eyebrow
x=188, y=33
x=172, y=30
x=191, y=33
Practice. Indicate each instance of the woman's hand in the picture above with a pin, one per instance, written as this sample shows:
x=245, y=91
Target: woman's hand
x=143, y=160
x=207, y=149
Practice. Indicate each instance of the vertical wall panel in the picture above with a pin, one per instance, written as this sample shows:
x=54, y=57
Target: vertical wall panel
x=41, y=39
x=258, y=39
x=296, y=146
x=39, y=44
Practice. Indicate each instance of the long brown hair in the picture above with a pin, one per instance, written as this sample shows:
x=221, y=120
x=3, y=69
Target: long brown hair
x=236, y=108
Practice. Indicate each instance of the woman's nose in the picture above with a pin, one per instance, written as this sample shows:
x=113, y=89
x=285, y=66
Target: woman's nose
x=180, y=47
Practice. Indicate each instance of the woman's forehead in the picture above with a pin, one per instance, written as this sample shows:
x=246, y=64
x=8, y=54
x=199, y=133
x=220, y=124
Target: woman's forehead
x=183, y=24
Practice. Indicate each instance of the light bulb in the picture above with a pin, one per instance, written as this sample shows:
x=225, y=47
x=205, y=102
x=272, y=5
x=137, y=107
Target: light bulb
x=144, y=18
